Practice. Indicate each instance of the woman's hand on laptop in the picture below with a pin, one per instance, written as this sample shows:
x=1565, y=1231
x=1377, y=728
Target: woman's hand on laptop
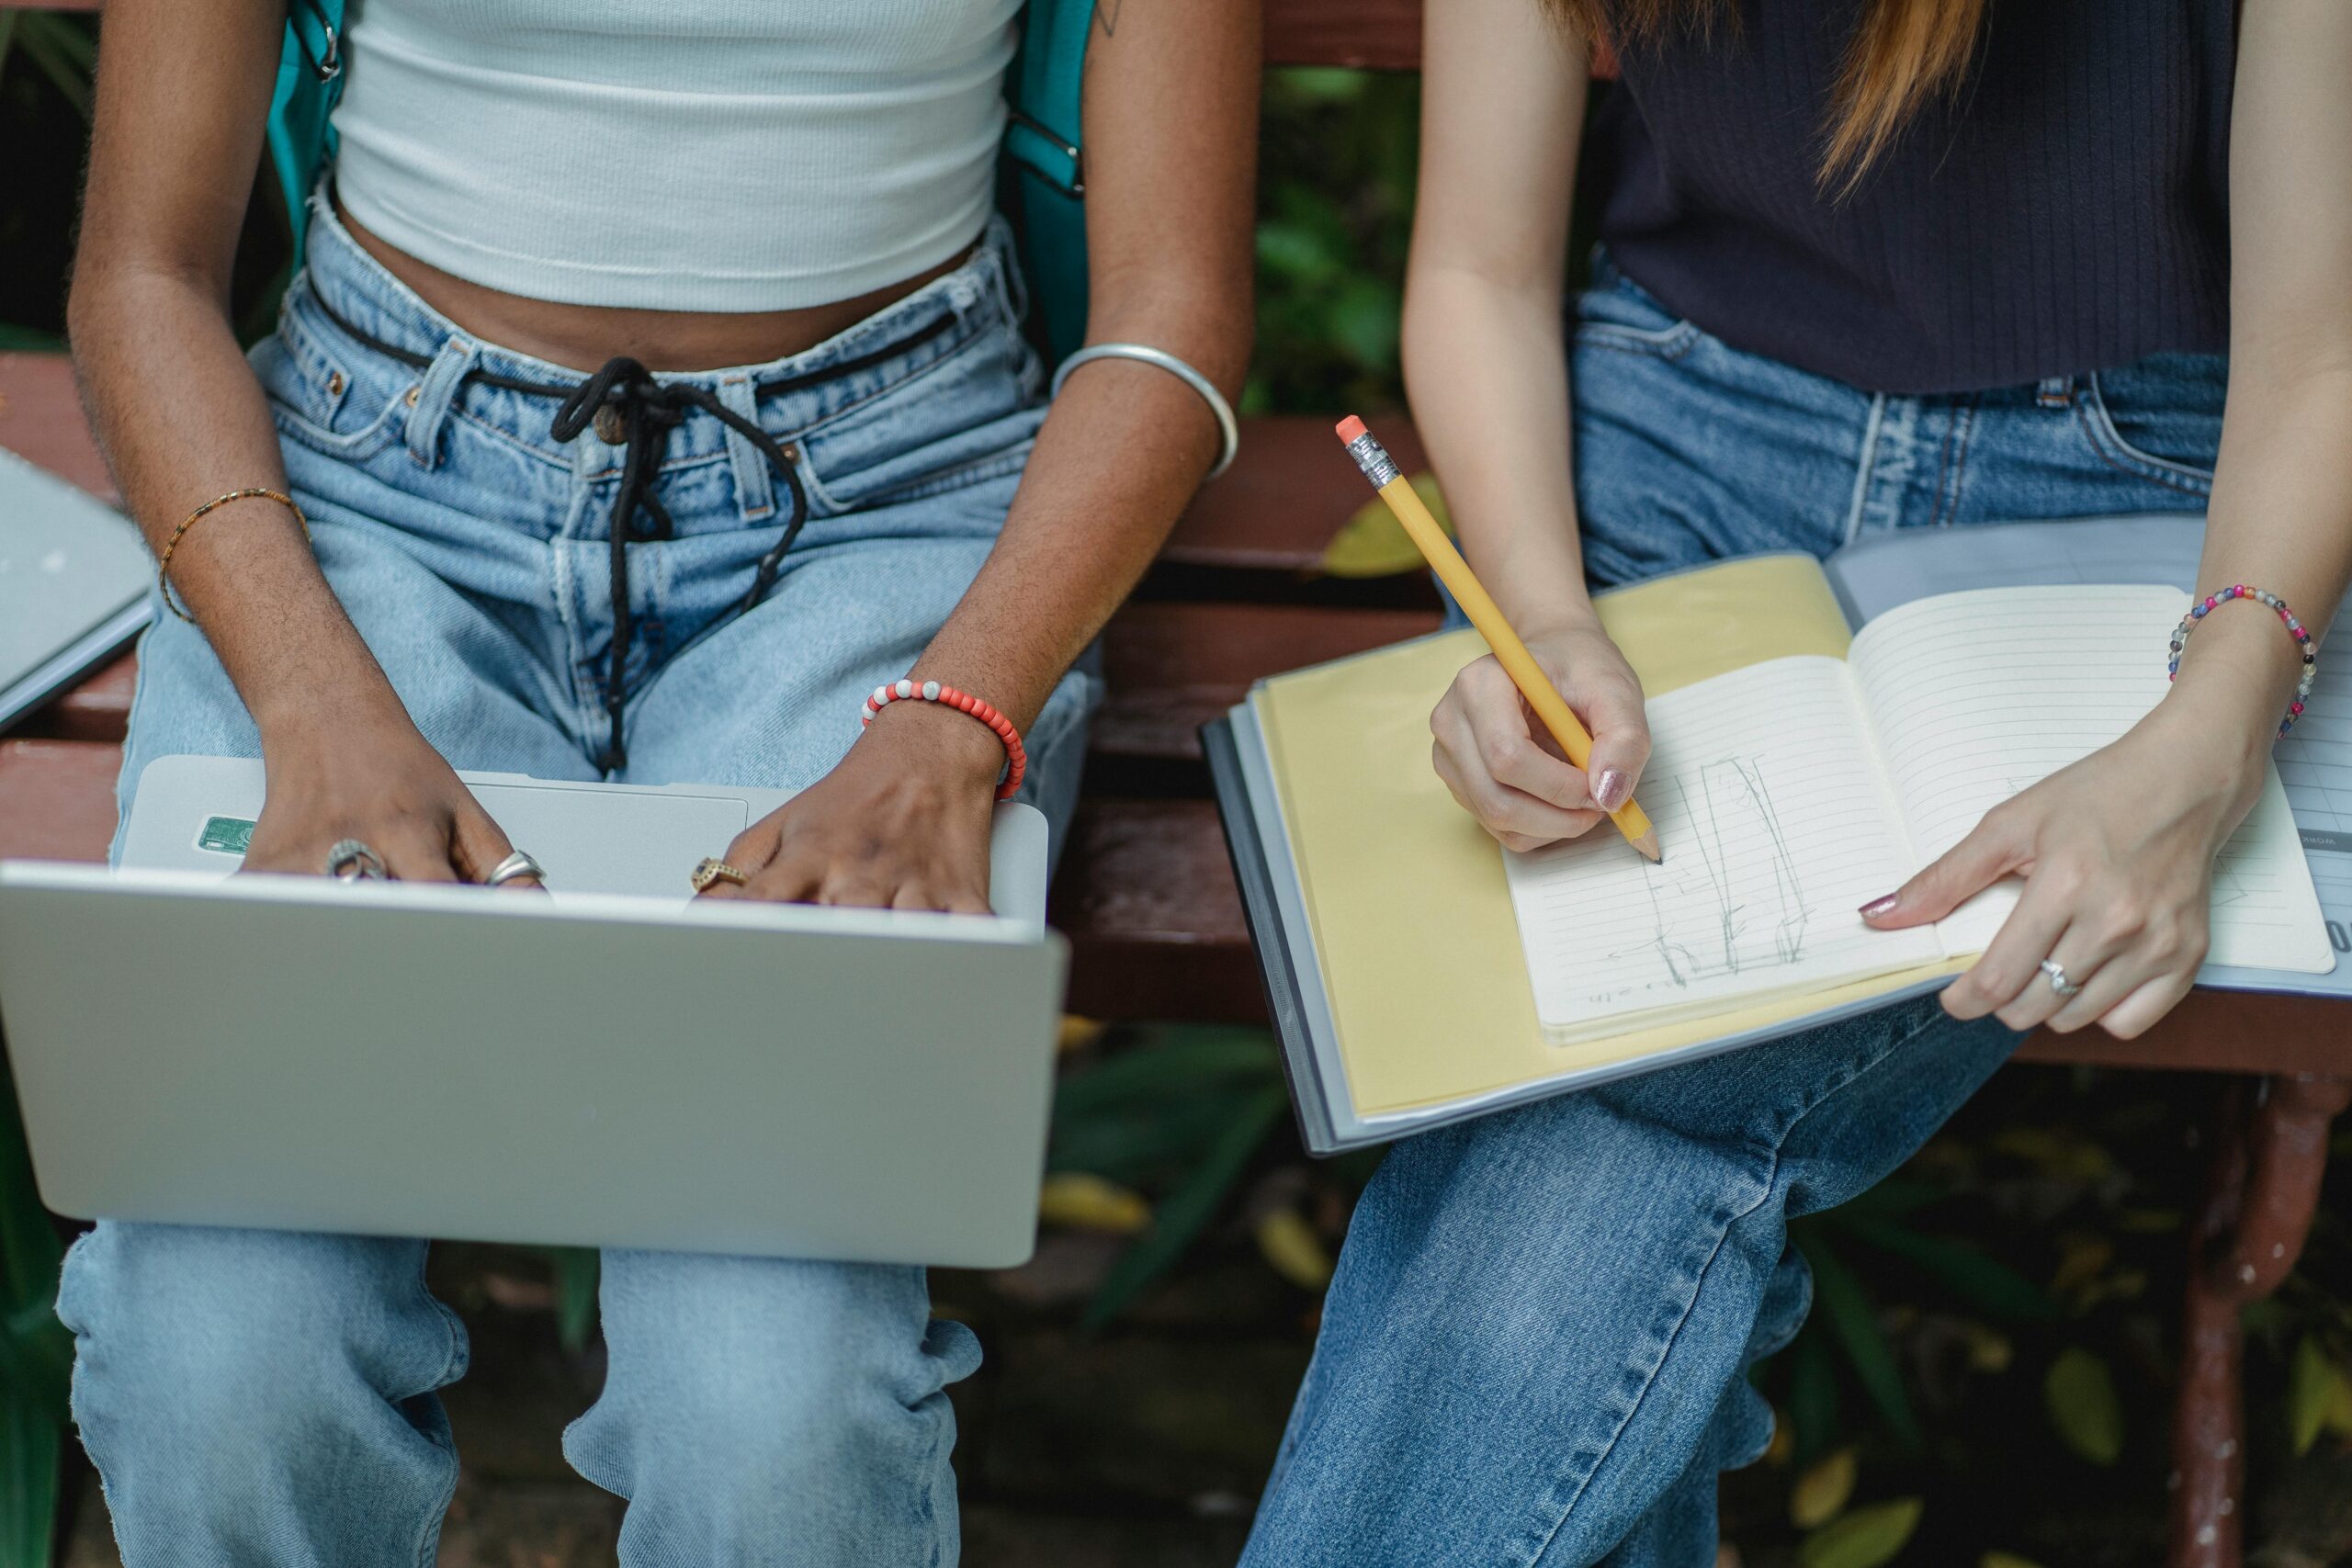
x=901, y=823
x=384, y=786
x=1503, y=766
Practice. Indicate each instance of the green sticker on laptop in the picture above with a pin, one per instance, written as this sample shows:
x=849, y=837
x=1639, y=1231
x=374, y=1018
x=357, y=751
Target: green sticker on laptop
x=226, y=835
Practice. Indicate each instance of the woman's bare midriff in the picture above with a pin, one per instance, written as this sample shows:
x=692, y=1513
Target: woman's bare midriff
x=581, y=337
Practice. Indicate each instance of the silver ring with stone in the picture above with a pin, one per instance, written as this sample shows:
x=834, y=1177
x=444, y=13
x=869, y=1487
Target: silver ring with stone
x=2058, y=981
x=350, y=861
x=516, y=864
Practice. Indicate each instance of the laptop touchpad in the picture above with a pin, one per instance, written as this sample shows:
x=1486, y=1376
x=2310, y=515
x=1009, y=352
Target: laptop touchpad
x=614, y=841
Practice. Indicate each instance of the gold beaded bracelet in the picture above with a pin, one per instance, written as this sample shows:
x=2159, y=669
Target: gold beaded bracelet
x=163, y=561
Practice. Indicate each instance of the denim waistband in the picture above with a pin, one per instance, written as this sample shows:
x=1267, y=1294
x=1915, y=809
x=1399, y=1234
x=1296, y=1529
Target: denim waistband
x=347, y=297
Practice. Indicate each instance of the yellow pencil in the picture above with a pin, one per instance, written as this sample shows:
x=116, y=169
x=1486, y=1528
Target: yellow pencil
x=1511, y=653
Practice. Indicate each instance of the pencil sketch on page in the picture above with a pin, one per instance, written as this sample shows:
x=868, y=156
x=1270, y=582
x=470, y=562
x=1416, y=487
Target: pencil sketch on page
x=1728, y=899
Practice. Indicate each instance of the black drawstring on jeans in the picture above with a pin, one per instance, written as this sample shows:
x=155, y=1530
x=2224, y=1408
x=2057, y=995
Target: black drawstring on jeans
x=647, y=410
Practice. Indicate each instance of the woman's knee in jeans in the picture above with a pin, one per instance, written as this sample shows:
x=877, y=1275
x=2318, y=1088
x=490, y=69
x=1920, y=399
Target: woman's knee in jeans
x=735, y=1382
x=221, y=1346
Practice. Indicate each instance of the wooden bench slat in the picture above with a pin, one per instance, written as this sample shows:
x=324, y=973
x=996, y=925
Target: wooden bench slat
x=1173, y=667
x=40, y=418
x=97, y=709
x=1286, y=494
x=1147, y=897
x=57, y=799
x=1376, y=35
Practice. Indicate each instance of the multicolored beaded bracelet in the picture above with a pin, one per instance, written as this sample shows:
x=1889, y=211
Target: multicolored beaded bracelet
x=2207, y=605
x=1016, y=757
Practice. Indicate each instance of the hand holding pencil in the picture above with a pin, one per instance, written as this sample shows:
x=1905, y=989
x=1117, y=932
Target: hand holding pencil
x=1542, y=696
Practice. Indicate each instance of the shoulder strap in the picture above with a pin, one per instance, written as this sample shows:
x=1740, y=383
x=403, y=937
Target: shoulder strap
x=1044, y=178
x=309, y=81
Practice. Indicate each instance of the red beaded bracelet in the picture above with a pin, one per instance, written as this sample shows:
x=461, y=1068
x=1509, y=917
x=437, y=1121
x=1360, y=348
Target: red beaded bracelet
x=1016, y=757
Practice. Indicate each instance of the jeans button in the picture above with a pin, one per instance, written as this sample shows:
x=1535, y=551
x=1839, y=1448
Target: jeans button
x=610, y=430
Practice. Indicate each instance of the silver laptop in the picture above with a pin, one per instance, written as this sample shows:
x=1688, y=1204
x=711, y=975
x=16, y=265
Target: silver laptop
x=615, y=1064
x=74, y=582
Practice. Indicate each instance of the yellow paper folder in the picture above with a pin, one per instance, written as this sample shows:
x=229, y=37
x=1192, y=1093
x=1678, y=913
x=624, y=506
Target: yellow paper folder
x=1383, y=913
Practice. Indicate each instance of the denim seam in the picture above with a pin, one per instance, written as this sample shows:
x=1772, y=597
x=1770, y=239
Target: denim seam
x=369, y=440
x=1649, y=1378
x=1953, y=465
x=806, y=433
x=1672, y=343
x=315, y=365
x=2107, y=442
x=453, y=1367
x=1867, y=1062
x=1863, y=465
x=963, y=475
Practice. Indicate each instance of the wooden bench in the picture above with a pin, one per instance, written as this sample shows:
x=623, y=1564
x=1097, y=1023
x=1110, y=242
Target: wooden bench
x=1146, y=896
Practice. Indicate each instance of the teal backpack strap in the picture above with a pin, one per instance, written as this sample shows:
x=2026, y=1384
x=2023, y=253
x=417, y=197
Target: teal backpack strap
x=309, y=81
x=1043, y=183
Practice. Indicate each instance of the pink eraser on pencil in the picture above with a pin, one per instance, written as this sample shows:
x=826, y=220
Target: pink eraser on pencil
x=1352, y=429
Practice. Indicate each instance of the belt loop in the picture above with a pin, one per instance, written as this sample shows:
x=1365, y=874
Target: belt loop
x=2054, y=392
x=1011, y=283
x=429, y=400
x=754, y=481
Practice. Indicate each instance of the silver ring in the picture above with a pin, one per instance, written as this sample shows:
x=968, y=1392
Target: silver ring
x=2058, y=981
x=514, y=865
x=350, y=861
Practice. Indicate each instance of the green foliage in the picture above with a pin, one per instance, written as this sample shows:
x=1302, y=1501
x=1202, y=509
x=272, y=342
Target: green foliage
x=1864, y=1538
x=2079, y=1393
x=1845, y=1311
x=1179, y=1112
x=576, y=1272
x=36, y=1354
x=62, y=49
x=1335, y=210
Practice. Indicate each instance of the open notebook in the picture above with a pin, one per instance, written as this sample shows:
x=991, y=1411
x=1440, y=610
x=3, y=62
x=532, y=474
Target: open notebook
x=1790, y=791
x=1385, y=921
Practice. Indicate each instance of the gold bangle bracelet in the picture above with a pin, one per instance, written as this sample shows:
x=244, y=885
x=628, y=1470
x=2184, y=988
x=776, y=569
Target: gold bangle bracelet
x=163, y=561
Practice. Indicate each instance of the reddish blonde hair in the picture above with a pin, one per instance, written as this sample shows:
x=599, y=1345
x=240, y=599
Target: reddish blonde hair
x=1903, y=53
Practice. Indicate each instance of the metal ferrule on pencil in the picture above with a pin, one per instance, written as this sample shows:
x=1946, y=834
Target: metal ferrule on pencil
x=1372, y=458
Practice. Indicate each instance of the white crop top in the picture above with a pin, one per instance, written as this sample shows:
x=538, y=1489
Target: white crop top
x=675, y=154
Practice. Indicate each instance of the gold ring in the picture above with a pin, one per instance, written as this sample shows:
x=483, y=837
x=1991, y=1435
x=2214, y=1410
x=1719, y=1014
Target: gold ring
x=716, y=871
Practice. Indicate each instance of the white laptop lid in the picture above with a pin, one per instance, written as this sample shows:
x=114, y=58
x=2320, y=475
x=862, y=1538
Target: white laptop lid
x=592, y=1069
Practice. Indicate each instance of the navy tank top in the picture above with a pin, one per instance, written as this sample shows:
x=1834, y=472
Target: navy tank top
x=2066, y=212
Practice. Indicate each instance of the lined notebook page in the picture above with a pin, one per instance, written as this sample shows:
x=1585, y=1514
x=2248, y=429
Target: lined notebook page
x=1776, y=823
x=1975, y=696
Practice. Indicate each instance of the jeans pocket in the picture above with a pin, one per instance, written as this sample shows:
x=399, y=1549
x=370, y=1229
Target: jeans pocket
x=2159, y=418
x=328, y=401
x=1617, y=313
x=962, y=418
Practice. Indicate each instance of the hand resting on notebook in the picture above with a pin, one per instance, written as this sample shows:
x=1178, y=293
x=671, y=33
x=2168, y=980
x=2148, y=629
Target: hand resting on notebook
x=2117, y=851
x=1504, y=768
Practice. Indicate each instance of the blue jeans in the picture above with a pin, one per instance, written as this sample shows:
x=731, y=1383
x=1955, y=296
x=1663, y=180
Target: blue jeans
x=257, y=1397
x=1534, y=1350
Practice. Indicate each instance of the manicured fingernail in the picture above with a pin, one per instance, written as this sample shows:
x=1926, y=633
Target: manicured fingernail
x=1877, y=907
x=1609, y=790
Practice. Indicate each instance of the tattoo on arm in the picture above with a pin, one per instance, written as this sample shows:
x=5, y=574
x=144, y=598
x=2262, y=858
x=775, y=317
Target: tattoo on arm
x=1107, y=13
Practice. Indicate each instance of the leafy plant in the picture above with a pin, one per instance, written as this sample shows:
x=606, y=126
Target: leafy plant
x=60, y=48
x=1178, y=1111
x=36, y=1354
